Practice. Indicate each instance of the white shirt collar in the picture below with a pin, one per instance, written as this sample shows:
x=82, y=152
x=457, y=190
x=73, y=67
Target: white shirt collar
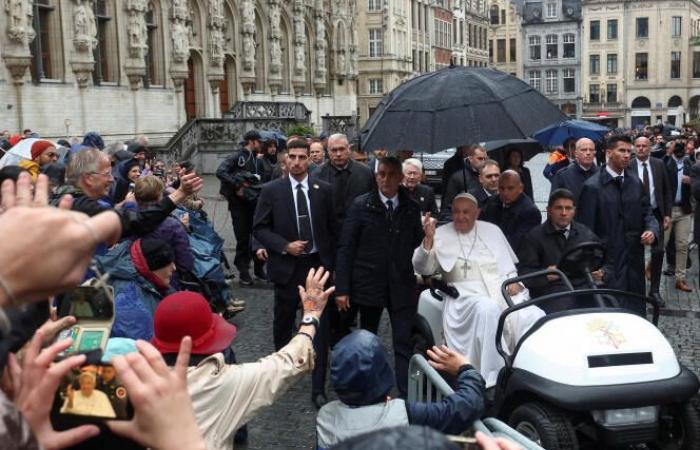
x=394, y=199
x=304, y=182
x=613, y=173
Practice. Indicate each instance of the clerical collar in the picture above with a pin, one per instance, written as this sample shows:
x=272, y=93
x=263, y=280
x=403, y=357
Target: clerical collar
x=613, y=173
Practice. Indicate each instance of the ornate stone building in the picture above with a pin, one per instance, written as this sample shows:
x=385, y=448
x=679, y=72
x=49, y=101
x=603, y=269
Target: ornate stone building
x=123, y=67
x=505, y=37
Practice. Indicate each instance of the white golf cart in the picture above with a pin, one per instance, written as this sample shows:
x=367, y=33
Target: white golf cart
x=597, y=377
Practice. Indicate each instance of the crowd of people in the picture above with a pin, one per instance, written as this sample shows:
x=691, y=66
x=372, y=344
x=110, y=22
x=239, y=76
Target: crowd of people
x=324, y=223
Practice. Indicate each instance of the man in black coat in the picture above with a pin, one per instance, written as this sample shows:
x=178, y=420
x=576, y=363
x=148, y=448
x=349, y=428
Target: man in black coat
x=654, y=177
x=614, y=206
x=544, y=246
x=575, y=174
x=348, y=178
x=488, y=180
x=239, y=174
x=295, y=223
x=374, y=267
x=463, y=180
x=454, y=163
x=512, y=210
x=421, y=193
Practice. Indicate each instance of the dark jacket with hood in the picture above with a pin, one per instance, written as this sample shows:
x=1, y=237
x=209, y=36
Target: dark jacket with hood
x=362, y=377
x=122, y=182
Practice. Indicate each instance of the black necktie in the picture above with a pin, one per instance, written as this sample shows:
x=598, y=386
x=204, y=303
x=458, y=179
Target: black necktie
x=564, y=233
x=305, y=233
x=645, y=178
x=619, y=180
x=339, y=189
x=390, y=209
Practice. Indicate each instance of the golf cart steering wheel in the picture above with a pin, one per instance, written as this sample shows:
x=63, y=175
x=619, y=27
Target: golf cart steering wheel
x=582, y=259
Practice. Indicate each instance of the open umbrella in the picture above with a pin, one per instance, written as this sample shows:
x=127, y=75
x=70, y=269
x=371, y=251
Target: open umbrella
x=498, y=150
x=557, y=133
x=457, y=106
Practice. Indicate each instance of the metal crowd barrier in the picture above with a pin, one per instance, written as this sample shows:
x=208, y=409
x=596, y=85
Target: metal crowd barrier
x=426, y=385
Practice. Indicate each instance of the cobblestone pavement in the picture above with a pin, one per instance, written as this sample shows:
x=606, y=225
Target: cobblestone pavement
x=289, y=423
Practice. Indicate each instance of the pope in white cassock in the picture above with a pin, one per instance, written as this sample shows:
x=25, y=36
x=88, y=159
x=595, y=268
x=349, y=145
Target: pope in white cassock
x=475, y=257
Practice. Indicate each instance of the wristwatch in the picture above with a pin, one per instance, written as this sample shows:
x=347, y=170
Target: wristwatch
x=310, y=320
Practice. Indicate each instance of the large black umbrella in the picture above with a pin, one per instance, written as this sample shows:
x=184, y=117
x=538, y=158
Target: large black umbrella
x=457, y=106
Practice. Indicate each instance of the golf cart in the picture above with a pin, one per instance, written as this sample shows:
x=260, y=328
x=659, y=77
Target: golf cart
x=595, y=377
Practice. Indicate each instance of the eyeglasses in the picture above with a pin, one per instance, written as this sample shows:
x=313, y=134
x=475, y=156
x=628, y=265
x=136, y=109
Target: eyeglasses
x=106, y=174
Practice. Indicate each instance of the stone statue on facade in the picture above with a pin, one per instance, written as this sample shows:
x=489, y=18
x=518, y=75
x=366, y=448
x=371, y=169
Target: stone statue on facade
x=181, y=40
x=136, y=28
x=85, y=27
x=19, y=24
x=216, y=47
x=180, y=9
x=248, y=34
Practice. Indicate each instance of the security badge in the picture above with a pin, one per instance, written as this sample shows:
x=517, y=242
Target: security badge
x=241, y=161
x=315, y=186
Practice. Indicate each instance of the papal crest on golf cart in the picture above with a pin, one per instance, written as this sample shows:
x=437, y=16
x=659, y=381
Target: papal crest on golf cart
x=606, y=332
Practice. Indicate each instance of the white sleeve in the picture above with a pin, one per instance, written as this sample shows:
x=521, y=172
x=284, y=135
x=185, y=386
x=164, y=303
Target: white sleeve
x=424, y=261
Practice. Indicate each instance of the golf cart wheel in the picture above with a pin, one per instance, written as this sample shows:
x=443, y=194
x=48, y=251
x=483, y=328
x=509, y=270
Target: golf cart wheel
x=544, y=425
x=680, y=426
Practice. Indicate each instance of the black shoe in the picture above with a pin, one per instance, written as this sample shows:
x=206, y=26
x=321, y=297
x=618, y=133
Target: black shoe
x=670, y=271
x=659, y=300
x=319, y=400
x=245, y=279
x=260, y=274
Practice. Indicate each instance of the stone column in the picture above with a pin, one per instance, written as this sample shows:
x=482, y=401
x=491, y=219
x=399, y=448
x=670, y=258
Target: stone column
x=299, y=78
x=137, y=46
x=84, y=41
x=16, y=53
x=180, y=24
x=275, y=45
x=321, y=46
x=248, y=45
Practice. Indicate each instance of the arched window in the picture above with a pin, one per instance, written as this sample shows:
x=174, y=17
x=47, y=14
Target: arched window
x=641, y=102
x=675, y=102
x=46, y=48
x=105, y=53
x=154, y=53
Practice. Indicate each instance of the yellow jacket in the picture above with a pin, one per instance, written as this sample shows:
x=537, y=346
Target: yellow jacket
x=31, y=167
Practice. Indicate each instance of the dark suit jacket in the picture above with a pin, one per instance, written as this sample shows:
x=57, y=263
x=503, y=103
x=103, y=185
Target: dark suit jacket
x=662, y=187
x=619, y=217
x=455, y=185
x=672, y=171
x=515, y=221
x=275, y=225
x=572, y=178
x=360, y=182
x=425, y=197
x=481, y=196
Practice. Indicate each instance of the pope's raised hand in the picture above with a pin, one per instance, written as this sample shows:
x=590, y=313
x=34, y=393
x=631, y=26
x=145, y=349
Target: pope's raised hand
x=429, y=231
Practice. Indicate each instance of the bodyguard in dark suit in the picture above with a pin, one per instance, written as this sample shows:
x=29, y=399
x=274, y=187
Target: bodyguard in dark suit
x=374, y=267
x=512, y=210
x=695, y=190
x=421, y=193
x=488, y=180
x=544, y=246
x=453, y=164
x=348, y=178
x=575, y=174
x=463, y=180
x=295, y=222
x=654, y=177
x=614, y=206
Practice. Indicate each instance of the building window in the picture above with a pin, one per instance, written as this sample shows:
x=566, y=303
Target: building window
x=569, y=78
x=106, y=65
x=503, y=16
x=696, y=64
x=376, y=86
x=501, y=51
x=513, y=50
x=593, y=93
x=612, y=63
x=611, y=94
x=675, y=65
x=490, y=51
x=153, y=61
x=551, y=10
x=641, y=66
x=552, y=46
x=612, y=29
x=494, y=14
x=45, y=48
x=374, y=5
x=536, y=79
x=569, y=45
x=676, y=26
x=594, y=62
x=375, y=42
x=595, y=30
x=535, y=44
x=551, y=85
x=642, y=27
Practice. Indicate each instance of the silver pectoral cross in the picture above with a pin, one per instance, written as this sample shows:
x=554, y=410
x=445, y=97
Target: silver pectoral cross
x=465, y=268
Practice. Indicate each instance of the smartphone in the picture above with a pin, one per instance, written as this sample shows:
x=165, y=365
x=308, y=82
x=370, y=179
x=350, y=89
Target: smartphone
x=132, y=187
x=91, y=393
x=93, y=309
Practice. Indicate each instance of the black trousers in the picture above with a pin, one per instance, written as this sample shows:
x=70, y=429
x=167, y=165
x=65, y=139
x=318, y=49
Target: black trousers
x=657, y=257
x=287, y=302
x=242, y=218
x=401, y=318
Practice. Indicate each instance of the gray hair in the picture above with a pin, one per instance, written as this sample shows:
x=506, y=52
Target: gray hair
x=413, y=162
x=337, y=137
x=82, y=163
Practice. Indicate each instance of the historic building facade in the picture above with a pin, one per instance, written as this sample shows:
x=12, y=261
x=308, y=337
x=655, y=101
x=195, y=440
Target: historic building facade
x=552, y=50
x=641, y=61
x=476, y=23
x=505, y=38
x=125, y=67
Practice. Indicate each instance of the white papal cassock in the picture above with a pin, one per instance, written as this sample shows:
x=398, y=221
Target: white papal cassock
x=476, y=263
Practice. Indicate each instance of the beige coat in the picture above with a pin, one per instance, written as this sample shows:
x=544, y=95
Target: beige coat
x=227, y=396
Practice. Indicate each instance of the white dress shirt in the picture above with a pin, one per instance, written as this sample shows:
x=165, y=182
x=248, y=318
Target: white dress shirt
x=305, y=188
x=394, y=200
x=640, y=171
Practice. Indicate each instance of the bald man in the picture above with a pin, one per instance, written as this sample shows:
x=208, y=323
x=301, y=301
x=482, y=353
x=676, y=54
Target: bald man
x=652, y=172
x=575, y=174
x=512, y=210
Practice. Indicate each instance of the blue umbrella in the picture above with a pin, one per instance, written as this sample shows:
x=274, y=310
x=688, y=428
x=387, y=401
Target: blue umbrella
x=556, y=134
x=269, y=135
